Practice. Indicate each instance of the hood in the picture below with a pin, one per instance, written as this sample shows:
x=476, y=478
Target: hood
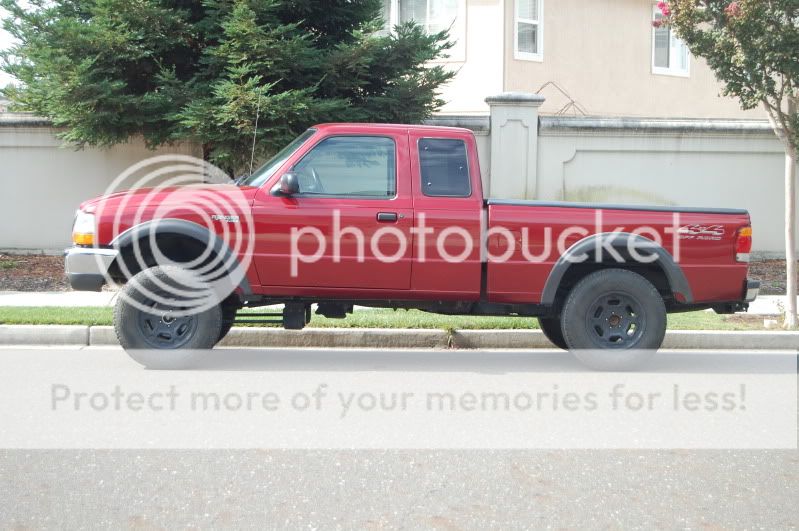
x=187, y=194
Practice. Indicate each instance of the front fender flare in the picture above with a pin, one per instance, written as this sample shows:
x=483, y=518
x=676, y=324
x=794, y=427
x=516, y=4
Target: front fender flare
x=185, y=228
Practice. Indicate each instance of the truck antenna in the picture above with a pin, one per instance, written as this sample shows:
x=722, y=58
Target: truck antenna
x=255, y=133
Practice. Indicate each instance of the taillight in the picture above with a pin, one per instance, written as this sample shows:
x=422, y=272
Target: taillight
x=743, y=244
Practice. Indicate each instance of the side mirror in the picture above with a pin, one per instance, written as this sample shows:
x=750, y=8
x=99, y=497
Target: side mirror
x=288, y=185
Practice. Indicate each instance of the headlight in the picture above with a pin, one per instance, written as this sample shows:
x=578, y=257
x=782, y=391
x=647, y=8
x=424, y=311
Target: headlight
x=83, y=229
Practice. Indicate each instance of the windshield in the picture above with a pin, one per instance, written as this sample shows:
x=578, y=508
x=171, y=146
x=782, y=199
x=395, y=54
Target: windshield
x=263, y=173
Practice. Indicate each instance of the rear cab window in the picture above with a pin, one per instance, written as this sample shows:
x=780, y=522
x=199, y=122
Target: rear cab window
x=444, y=167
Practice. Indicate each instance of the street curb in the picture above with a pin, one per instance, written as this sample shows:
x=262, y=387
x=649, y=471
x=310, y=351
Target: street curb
x=310, y=337
x=335, y=337
x=394, y=338
x=102, y=335
x=44, y=335
x=500, y=339
x=754, y=340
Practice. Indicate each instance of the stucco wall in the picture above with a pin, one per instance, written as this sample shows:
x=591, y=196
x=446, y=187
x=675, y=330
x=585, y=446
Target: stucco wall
x=600, y=52
x=705, y=164
x=663, y=162
x=43, y=183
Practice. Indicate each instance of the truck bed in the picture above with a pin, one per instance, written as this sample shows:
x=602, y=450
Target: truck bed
x=614, y=206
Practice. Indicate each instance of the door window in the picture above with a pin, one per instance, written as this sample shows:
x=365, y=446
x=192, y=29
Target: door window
x=349, y=166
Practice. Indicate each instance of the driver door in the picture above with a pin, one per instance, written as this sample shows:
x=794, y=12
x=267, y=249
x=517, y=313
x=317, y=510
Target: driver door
x=348, y=227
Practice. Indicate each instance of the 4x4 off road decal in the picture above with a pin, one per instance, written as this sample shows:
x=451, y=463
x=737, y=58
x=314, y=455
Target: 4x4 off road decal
x=701, y=232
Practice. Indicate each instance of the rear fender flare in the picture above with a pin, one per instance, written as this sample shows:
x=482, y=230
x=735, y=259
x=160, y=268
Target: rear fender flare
x=618, y=240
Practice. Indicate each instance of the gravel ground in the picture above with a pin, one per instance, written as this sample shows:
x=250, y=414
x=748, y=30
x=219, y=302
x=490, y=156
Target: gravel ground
x=771, y=274
x=46, y=273
x=32, y=273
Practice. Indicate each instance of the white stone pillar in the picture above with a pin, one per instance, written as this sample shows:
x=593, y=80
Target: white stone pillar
x=514, y=145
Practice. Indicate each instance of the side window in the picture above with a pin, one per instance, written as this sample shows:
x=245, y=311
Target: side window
x=529, y=30
x=356, y=166
x=670, y=55
x=444, y=167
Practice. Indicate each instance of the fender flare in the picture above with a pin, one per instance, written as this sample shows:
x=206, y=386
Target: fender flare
x=625, y=240
x=185, y=228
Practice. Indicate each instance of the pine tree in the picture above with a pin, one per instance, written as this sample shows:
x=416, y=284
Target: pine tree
x=172, y=70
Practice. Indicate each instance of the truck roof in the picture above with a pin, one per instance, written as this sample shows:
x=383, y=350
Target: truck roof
x=355, y=127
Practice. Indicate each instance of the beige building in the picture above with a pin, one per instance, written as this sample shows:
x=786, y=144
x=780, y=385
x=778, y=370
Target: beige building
x=598, y=58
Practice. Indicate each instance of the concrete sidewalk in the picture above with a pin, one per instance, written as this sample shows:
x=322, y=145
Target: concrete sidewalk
x=57, y=298
x=763, y=305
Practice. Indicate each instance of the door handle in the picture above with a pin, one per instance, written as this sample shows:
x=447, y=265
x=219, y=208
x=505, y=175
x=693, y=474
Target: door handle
x=386, y=216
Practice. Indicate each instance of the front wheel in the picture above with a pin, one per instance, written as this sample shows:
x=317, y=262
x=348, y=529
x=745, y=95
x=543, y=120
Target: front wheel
x=617, y=311
x=156, y=322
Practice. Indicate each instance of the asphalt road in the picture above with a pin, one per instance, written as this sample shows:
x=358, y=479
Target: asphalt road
x=366, y=489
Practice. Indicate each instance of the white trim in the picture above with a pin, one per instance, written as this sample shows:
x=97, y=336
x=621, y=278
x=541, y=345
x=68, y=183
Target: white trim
x=393, y=14
x=671, y=70
x=457, y=33
x=527, y=56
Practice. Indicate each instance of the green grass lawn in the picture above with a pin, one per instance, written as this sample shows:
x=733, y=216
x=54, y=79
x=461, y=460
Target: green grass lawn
x=378, y=319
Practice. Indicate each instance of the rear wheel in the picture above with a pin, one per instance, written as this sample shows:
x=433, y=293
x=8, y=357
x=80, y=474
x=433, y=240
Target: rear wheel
x=617, y=311
x=551, y=328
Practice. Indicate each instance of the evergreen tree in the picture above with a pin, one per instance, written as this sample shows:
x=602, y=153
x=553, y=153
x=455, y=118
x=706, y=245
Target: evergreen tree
x=200, y=70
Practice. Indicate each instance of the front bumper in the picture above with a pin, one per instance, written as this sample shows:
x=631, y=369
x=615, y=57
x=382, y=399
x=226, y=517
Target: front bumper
x=87, y=267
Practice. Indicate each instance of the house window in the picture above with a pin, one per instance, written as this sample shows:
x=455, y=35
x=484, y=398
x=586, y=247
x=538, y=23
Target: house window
x=529, y=30
x=433, y=16
x=670, y=55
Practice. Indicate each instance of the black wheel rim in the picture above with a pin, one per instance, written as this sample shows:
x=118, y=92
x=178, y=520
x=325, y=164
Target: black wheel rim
x=166, y=327
x=615, y=320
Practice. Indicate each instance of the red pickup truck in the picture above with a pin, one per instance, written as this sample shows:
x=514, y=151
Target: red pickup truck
x=394, y=216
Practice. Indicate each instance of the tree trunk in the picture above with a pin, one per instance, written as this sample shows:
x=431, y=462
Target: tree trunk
x=790, y=236
x=778, y=120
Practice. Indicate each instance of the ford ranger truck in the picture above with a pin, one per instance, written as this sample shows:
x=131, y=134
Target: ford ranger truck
x=393, y=216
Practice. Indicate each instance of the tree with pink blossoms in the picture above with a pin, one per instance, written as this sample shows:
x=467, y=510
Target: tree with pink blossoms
x=753, y=48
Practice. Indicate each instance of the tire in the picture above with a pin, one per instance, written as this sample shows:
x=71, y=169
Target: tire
x=551, y=328
x=614, y=319
x=154, y=338
x=228, y=315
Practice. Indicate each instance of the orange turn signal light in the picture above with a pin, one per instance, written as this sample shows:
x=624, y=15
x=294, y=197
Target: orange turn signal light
x=743, y=244
x=82, y=238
